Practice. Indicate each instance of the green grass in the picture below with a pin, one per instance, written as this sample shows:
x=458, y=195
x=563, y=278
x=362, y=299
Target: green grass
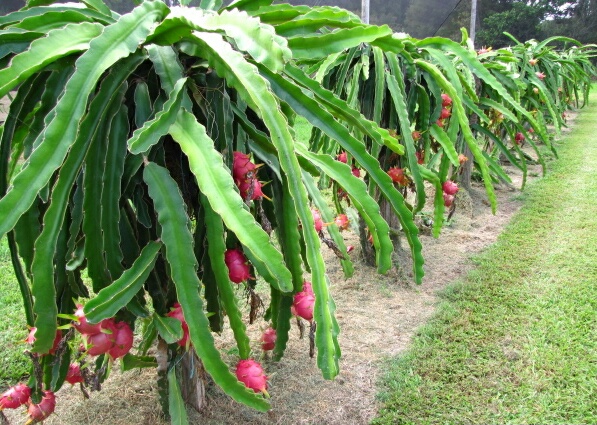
x=13, y=363
x=516, y=340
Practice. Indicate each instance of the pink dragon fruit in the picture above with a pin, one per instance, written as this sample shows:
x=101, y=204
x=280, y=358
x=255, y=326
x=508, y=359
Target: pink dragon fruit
x=241, y=165
x=446, y=100
x=448, y=200
x=123, y=340
x=317, y=219
x=268, y=339
x=177, y=314
x=450, y=187
x=342, y=222
x=250, y=189
x=304, y=301
x=238, y=265
x=81, y=323
x=397, y=176
x=40, y=412
x=15, y=396
x=73, y=375
x=250, y=373
x=31, y=339
x=102, y=342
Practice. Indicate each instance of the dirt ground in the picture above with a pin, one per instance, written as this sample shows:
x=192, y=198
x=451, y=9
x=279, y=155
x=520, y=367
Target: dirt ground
x=378, y=315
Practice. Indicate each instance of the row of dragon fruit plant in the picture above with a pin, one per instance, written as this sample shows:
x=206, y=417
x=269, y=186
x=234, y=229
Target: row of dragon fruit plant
x=147, y=139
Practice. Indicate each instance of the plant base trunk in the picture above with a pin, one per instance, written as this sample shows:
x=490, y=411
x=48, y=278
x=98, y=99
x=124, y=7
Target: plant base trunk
x=392, y=219
x=190, y=373
x=192, y=380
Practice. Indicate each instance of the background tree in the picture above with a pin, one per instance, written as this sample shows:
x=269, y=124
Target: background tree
x=579, y=22
x=10, y=5
x=521, y=20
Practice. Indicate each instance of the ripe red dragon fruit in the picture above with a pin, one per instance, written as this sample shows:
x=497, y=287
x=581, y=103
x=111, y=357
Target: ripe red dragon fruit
x=40, y=412
x=250, y=188
x=342, y=222
x=250, y=373
x=268, y=339
x=420, y=157
x=356, y=171
x=518, y=139
x=304, y=301
x=446, y=100
x=15, y=396
x=416, y=135
x=123, y=340
x=317, y=219
x=448, y=200
x=450, y=187
x=397, y=176
x=440, y=123
x=31, y=339
x=177, y=314
x=73, y=375
x=342, y=157
x=102, y=342
x=445, y=114
x=238, y=265
x=82, y=325
x=241, y=165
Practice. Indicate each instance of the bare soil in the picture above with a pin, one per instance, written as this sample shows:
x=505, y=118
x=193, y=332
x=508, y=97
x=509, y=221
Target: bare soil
x=378, y=316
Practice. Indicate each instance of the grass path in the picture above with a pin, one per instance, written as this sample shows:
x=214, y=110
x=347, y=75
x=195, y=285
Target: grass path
x=516, y=341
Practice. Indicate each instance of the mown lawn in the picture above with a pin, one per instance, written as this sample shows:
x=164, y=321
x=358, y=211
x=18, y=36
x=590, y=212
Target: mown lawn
x=516, y=341
x=13, y=326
